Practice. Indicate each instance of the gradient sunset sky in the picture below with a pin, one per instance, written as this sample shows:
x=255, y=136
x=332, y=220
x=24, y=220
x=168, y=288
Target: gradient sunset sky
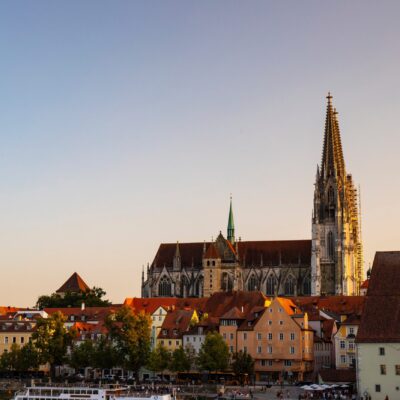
x=124, y=124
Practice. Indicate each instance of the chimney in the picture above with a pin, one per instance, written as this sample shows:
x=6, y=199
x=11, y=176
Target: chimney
x=83, y=306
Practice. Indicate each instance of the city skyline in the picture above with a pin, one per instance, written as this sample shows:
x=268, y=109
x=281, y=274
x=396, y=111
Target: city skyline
x=124, y=127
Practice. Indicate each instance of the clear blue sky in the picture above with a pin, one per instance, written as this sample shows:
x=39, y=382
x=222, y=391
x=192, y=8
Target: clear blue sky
x=126, y=124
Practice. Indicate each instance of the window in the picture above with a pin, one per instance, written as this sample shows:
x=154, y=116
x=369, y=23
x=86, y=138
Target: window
x=270, y=363
x=342, y=344
x=259, y=349
x=14, y=340
x=292, y=336
x=258, y=336
x=280, y=310
x=244, y=336
x=269, y=322
x=224, y=336
x=270, y=349
x=351, y=345
x=164, y=287
x=271, y=283
x=331, y=245
x=291, y=350
x=187, y=338
x=280, y=322
x=263, y=363
x=377, y=388
x=281, y=336
x=397, y=369
x=194, y=339
x=162, y=342
x=231, y=336
x=289, y=286
x=287, y=363
x=343, y=359
x=351, y=331
x=270, y=336
x=245, y=349
x=381, y=351
x=169, y=343
x=6, y=340
x=252, y=284
x=22, y=340
x=160, y=318
x=231, y=349
x=383, y=369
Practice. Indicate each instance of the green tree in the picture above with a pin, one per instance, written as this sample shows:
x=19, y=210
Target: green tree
x=92, y=298
x=243, y=364
x=28, y=358
x=159, y=359
x=181, y=360
x=82, y=355
x=52, y=340
x=130, y=334
x=214, y=353
x=105, y=354
x=9, y=360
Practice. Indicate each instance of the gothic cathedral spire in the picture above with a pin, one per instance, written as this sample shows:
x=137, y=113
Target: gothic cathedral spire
x=231, y=225
x=336, y=265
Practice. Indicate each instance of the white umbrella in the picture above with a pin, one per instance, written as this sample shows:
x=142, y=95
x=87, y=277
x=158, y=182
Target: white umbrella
x=325, y=386
x=305, y=387
x=344, y=386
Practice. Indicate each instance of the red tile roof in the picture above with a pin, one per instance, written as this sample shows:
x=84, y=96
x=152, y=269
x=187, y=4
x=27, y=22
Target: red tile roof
x=211, y=252
x=233, y=313
x=365, y=284
x=74, y=284
x=380, y=322
x=175, y=324
x=89, y=313
x=341, y=305
x=338, y=375
x=8, y=309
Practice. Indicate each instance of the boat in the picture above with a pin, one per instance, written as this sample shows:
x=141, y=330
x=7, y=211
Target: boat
x=85, y=393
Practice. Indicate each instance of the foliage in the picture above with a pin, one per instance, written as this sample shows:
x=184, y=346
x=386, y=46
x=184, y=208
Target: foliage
x=243, y=364
x=52, y=340
x=104, y=354
x=130, y=334
x=214, y=353
x=91, y=298
x=181, y=360
x=20, y=359
x=159, y=359
x=82, y=355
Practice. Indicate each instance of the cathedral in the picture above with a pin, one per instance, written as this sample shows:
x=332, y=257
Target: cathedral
x=328, y=264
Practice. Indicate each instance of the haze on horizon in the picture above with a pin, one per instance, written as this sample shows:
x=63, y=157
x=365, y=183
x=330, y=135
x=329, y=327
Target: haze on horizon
x=124, y=125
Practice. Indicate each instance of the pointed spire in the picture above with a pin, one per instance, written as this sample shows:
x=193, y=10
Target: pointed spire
x=332, y=155
x=177, y=257
x=231, y=225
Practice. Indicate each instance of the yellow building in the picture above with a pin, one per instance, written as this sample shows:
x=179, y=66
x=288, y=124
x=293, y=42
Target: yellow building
x=15, y=332
x=345, y=347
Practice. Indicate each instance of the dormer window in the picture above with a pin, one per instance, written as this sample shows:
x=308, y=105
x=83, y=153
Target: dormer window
x=164, y=332
x=72, y=318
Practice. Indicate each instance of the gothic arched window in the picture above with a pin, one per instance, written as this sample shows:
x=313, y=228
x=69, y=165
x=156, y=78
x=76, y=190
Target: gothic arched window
x=185, y=287
x=331, y=196
x=164, y=287
x=307, y=285
x=330, y=245
x=252, y=283
x=271, y=282
x=226, y=284
x=199, y=287
x=289, y=286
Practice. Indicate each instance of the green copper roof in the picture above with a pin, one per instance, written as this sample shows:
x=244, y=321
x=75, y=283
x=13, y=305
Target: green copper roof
x=231, y=225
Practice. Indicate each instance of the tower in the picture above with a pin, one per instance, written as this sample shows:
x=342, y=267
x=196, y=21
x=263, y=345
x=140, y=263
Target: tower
x=336, y=259
x=231, y=225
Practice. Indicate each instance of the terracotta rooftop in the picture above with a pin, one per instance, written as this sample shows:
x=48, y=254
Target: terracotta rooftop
x=365, y=284
x=233, y=313
x=74, y=284
x=211, y=252
x=380, y=322
x=89, y=313
x=175, y=324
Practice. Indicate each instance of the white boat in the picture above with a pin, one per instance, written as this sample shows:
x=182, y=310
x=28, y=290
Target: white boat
x=85, y=393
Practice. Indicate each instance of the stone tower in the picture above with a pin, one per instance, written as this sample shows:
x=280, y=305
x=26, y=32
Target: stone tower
x=336, y=259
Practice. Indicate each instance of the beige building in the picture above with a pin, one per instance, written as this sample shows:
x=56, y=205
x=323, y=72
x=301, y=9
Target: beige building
x=345, y=346
x=276, y=336
x=15, y=332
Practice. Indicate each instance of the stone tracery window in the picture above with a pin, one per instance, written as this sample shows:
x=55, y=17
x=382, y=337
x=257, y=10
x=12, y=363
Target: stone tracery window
x=307, y=285
x=271, y=283
x=289, y=286
x=252, y=283
x=330, y=245
x=165, y=287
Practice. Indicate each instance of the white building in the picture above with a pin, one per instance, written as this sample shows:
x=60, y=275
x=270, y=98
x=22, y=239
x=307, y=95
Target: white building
x=378, y=338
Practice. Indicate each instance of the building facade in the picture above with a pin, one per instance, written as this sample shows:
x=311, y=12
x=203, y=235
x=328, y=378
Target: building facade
x=330, y=263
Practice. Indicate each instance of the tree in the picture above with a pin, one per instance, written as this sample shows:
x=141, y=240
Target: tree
x=28, y=358
x=92, y=298
x=52, y=340
x=159, y=359
x=214, y=353
x=181, y=360
x=105, y=354
x=130, y=334
x=243, y=364
x=82, y=355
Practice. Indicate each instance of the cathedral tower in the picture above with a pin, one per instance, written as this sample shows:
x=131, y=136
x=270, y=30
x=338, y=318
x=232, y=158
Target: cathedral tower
x=336, y=260
x=231, y=226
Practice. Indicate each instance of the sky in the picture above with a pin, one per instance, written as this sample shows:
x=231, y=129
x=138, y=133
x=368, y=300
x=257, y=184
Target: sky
x=127, y=124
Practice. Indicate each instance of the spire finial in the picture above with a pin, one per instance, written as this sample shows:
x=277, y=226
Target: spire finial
x=329, y=97
x=231, y=226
